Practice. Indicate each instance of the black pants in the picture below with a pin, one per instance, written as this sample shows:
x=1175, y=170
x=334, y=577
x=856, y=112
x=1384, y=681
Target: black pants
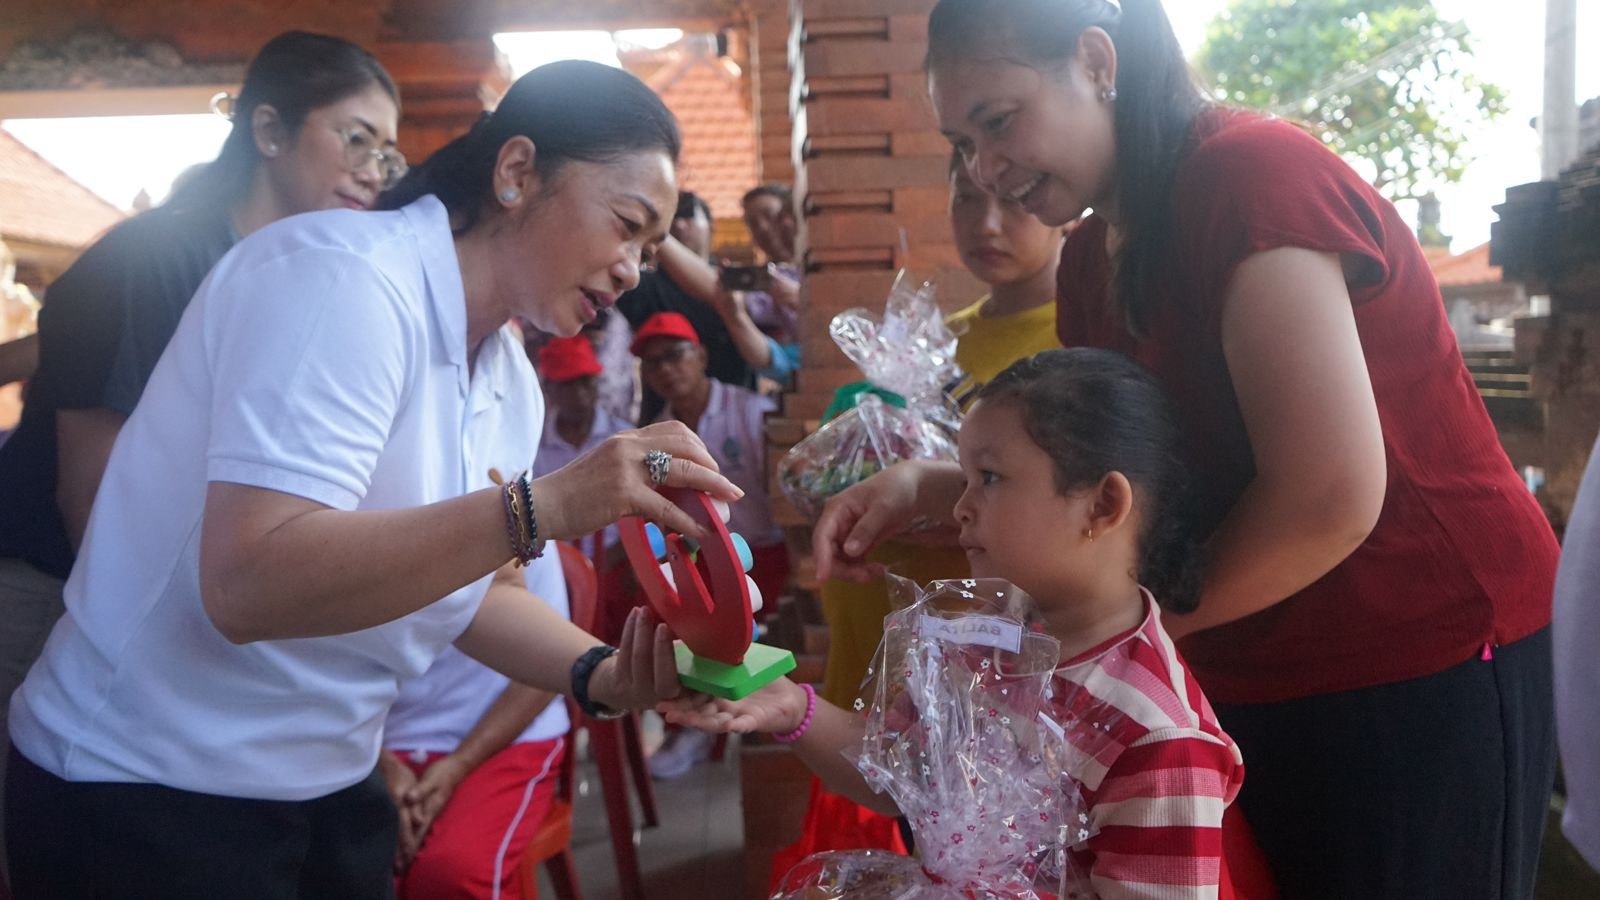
x=82, y=840
x=1434, y=787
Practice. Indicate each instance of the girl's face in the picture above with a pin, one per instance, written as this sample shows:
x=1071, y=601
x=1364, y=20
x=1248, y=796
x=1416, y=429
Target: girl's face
x=1014, y=523
x=998, y=241
x=1040, y=137
x=578, y=243
x=333, y=161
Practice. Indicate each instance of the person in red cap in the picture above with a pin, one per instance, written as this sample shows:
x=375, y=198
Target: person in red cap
x=729, y=419
x=575, y=422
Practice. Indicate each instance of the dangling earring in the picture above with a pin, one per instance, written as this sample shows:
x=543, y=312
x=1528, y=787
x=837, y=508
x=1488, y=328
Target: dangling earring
x=1108, y=95
x=1089, y=533
x=510, y=195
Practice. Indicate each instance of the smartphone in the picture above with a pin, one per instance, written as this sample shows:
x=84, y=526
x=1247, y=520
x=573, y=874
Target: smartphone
x=744, y=278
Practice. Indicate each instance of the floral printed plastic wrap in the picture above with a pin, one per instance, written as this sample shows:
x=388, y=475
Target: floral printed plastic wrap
x=958, y=734
x=909, y=352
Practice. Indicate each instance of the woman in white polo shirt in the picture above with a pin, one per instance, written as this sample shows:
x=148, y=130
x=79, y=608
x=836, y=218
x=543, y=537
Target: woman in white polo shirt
x=287, y=527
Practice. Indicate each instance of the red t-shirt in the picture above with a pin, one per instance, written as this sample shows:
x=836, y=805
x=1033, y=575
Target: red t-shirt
x=1461, y=555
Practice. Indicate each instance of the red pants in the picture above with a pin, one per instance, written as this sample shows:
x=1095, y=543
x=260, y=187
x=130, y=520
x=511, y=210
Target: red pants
x=475, y=844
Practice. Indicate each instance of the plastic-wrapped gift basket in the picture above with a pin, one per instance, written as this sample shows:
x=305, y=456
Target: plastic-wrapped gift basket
x=908, y=352
x=957, y=734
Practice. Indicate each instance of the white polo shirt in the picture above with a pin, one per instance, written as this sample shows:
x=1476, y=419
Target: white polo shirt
x=325, y=356
x=435, y=711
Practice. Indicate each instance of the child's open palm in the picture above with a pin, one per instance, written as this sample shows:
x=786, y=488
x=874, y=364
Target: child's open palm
x=778, y=707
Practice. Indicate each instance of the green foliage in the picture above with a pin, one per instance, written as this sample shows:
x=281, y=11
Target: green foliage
x=1386, y=83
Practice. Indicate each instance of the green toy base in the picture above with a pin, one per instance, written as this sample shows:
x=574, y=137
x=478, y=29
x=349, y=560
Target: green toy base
x=762, y=665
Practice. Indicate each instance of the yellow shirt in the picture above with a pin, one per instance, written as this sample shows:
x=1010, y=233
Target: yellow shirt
x=854, y=612
x=988, y=345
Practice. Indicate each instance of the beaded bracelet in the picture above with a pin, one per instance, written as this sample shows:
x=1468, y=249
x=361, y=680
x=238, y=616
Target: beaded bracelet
x=521, y=526
x=534, y=540
x=811, y=709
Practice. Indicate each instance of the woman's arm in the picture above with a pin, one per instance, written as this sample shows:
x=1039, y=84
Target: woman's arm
x=84, y=438
x=274, y=565
x=889, y=503
x=1289, y=335
x=699, y=279
x=19, y=358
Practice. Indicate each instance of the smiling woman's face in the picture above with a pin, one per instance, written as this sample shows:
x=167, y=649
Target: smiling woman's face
x=1041, y=137
x=312, y=172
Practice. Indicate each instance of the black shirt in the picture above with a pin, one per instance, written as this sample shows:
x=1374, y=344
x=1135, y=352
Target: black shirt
x=102, y=326
x=657, y=293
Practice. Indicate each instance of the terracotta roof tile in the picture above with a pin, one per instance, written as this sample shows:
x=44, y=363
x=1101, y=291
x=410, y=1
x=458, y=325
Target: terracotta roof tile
x=40, y=203
x=1470, y=267
x=706, y=93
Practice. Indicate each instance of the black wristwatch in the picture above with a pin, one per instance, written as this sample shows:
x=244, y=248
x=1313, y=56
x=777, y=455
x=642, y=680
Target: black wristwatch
x=581, y=670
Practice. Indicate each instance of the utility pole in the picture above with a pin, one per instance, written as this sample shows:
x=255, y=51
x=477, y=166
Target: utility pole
x=1558, y=125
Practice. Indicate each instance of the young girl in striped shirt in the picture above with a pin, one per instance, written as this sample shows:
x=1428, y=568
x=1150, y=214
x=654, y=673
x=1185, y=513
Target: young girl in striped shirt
x=1072, y=493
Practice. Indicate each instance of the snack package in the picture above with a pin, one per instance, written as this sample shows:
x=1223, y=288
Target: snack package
x=959, y=736
x=907, y=351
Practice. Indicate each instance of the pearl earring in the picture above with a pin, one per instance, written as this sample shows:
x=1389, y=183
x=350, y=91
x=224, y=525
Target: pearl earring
x=510, y=195
x=1108, y=95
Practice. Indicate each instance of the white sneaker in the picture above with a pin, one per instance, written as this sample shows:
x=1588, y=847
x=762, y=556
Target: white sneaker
x=681, y=751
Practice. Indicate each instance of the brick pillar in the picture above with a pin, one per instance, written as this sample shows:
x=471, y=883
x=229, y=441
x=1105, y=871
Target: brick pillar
x=769, y=66
x=444, y=86
x=1546, y=238
x=870, y=165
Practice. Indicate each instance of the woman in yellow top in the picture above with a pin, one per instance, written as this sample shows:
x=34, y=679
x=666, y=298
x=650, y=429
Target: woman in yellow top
x=1015, y=254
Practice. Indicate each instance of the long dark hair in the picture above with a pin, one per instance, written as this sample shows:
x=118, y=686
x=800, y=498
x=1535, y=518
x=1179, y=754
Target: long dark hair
x=1095, y=412
x=294, y=73
x=571, y=110
x=1157, y=101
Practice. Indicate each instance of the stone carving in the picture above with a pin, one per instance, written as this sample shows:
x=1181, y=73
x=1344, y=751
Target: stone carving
x=99, y=58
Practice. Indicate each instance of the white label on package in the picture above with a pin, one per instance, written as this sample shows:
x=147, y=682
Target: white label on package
x=986, y=630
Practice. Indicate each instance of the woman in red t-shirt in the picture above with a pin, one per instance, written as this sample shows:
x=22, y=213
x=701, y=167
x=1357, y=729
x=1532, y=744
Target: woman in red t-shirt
x=1374, y=623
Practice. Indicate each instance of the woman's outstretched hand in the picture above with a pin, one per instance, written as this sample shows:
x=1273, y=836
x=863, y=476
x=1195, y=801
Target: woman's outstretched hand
x=860, y=517
x=612, y=481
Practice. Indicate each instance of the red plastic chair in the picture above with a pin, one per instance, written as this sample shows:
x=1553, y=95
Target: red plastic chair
x=551, y=845
x=608, y=740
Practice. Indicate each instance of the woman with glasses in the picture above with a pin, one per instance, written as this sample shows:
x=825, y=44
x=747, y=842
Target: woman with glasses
x=291, y=523
x=313, y=128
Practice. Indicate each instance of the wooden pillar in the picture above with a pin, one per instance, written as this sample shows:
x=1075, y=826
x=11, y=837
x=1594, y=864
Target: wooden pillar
x=444, y=87
x=769, y=59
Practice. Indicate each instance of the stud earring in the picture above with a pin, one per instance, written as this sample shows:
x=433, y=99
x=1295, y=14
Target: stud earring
x=1089, y=533
x=510, y=195
x=272, y=149
x=1108, y=95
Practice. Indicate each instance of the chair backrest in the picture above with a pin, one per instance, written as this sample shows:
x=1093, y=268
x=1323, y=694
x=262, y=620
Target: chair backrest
x=583, y=587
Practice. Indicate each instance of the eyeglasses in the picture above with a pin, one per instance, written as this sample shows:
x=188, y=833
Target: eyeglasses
x=667, y=357
x=361, y=150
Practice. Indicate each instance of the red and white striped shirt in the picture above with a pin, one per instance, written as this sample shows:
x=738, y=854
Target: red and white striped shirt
x=1156, y=768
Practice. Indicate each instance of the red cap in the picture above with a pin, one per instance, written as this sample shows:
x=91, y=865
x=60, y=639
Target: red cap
x=667, y=324
x=564, y=359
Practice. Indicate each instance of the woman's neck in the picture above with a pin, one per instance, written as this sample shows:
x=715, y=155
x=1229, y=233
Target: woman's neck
x=475, y=255
x=260, y=206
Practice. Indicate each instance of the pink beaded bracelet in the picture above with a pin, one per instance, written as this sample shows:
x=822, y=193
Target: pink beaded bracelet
x=811, y=708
